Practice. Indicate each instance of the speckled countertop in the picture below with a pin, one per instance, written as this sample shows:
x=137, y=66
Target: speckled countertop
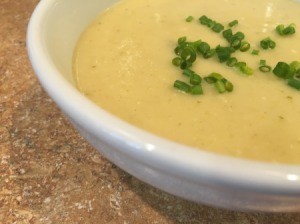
x=49, y=174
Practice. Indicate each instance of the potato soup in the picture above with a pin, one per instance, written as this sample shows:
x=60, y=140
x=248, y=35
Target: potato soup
x=123, y=62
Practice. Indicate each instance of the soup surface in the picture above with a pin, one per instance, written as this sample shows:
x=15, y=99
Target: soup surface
x=123, y=62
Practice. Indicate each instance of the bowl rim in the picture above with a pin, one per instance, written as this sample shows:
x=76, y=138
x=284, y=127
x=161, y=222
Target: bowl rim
x=159, y=152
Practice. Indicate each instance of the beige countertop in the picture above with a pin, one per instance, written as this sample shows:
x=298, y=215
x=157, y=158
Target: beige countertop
x=49, y=174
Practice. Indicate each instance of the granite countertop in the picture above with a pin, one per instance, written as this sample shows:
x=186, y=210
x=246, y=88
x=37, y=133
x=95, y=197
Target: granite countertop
x=49, y=174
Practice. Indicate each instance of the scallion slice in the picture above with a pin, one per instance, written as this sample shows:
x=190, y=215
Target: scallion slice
x=267, y=43
x=255, y=52
x=231, y=62
x=245, y=46
x=176, y=61
x=284, y=31
x=295, y=83
x=263, y=67
x=217, y=27
x=283, y=70
x=189, y=19
x=196, y=90
x=233, y=23
x=182, y=86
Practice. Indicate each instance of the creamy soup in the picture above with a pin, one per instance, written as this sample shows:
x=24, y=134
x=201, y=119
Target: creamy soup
x=123, y=62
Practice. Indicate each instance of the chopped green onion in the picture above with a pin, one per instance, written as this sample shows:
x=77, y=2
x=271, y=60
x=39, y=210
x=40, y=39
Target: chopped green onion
x=231, y=62
x=220, y=86
x=188, y=72
x=236, y=40
x=242, y=66
x=189, y=19
x=289, y=30
x=272, y=44
x=239, y=35
x=236, y=43
x=188, y=54
x=280, y=29
x=284, y=31
x=295, y=68
x=203, y=48
x=227, y=34
x=195, y=79
x=209, y=79
x=262, y=62
x=283, y=70
x=267, y=43
x=228, y=86
x=185, y=64
x=265, y=68
x=295, y=83
x=196, y=90
x=255, y=52
x=210, y=53
x=233, y=23
x=181, y=40
x=194, y=44
x=204, y=20
x=217, y=27
x=213, y=77
x=176, y=61
x=245, y=46
x=178, y=50
x=223, y=53
x=182, y=86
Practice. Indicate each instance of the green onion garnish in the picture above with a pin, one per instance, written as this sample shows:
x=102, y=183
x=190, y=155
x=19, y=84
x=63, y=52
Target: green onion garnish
x=242, y=66
x=236, y=43
x=227, y=34
x=223, y=53
x=189, y=19
x=263, y=67
x=221, y=84
x=255, y=52
x=267, y=43
x=233, y=23
x=283, y=70
x=284, y=31
x=182, y=86
x=210, y=53
x=245, y=46
x=196, y=90
x=204, y=20
x=188, y=72
x=228, y=86
x=295, y=83
x=217, y=27
x=231, y=62
x=295, y=68
x=181, y=40
x=188, y=54
x=185, y=64
x=195, y=79
x=203, y=48
x=236, y=40
x=176, y=61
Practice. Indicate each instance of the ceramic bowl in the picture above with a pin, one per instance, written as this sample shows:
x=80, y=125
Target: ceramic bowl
x=186, y=172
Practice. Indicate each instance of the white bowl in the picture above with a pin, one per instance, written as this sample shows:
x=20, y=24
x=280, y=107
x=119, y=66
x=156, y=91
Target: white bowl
x=189, y=173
